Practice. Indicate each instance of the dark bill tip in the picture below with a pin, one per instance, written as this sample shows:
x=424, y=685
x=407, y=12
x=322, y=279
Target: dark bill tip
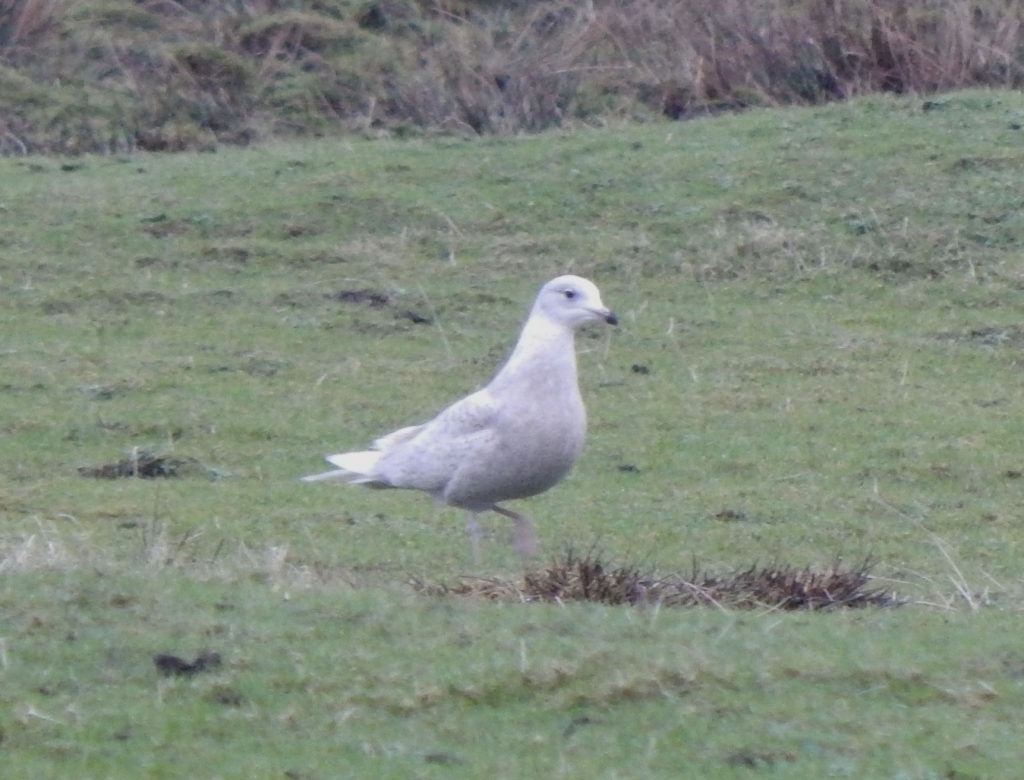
x=611, y=319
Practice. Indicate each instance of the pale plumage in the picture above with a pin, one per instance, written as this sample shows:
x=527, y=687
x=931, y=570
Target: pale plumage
x=515, y=438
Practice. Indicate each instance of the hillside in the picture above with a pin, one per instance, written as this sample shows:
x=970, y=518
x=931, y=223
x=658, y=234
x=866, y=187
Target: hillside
x=123, y=75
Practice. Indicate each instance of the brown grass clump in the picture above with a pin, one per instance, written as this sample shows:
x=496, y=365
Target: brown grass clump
x=144, y=465
x=777, y=586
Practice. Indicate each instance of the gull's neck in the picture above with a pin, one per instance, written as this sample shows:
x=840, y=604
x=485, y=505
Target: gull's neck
x=542, y=339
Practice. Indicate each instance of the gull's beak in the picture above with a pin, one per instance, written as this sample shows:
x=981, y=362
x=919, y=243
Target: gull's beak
x=602, y=312
x=605, y=314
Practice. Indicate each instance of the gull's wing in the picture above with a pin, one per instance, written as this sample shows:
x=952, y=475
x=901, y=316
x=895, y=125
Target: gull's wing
x=425, y=457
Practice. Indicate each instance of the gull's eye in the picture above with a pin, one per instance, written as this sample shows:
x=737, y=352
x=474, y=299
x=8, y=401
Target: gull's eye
x=570, y=294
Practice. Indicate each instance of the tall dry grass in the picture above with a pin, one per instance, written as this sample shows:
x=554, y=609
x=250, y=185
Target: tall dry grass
x=103, y=75
x=20, y=19
x=563, y=61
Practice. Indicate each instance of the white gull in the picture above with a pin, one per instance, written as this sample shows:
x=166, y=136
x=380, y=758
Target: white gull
x=516, y=437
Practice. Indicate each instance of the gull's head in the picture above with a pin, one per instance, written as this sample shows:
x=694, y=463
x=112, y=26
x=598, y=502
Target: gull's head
x=573, y=301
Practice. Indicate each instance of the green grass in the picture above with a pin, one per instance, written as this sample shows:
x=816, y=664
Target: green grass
x=819, y=357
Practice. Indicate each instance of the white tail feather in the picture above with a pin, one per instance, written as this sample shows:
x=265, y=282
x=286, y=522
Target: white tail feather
x=353, y=467
x=358, y=464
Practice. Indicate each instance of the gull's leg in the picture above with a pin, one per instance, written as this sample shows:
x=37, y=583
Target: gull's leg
x=525, y=537
x=473, y=528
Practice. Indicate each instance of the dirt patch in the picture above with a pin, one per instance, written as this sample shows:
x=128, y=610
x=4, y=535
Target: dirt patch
x=145, y=465
x=229, y=697
x=730, y=515
x=590, y=578
x=364, y=298
x=369, y=298
x=150, y=261
x=301, y=300
x=57, y=306
x=174, y=666
x=757, y=759
x=234, y=255
x=987, y=336
x=162, y=227
x=120, y=298
x=416, y=318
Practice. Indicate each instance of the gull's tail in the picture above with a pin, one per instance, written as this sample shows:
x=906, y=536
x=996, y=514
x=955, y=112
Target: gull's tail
x=353, y=467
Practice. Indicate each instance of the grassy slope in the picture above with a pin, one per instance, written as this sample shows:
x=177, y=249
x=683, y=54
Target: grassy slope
x=112, y=76
x=827, y=306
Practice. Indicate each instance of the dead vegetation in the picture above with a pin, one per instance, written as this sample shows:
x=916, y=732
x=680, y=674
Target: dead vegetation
x=116, y=75
x=144, y=465
x=589, y=577
x=170, y=665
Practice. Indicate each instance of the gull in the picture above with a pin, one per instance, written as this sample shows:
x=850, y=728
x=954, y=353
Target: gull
x=514, y=438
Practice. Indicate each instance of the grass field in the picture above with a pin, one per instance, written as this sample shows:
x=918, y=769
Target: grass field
x=819, y=359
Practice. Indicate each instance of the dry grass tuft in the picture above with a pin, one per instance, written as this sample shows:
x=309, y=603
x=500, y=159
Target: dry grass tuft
x=43, y=549
x=144, y=465
x=590, y=578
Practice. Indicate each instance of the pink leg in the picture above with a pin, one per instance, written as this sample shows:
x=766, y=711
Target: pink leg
x=473, y=527
x=525, y=537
